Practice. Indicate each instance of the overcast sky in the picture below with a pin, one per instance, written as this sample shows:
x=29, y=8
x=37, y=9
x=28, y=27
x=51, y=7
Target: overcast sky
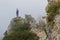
x=8, y=10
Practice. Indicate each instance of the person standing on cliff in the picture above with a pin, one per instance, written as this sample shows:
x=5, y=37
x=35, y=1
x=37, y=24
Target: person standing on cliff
x=17, y=12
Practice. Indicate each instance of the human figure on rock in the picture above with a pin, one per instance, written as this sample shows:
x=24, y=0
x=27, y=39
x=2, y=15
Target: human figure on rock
x=17, y=12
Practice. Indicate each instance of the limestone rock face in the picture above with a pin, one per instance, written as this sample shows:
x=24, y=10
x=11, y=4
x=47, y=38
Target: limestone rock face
x=53, y=32
x=55, y=35
x=56, y=30
x=40, y=34
x=37, y=28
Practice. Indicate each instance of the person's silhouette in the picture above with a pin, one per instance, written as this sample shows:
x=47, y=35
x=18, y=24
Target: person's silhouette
x=17, y=13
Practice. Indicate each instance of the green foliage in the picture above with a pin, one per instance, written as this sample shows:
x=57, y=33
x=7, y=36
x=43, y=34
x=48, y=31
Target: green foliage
x=25, y=35
x=48, y=0
x=19, y=26
x=52, y=11
x=21, y=31
x=22, y=27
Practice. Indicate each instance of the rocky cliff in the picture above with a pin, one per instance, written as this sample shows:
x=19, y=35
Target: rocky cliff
x=35, y=27
x=53, y=19
x=20, y=29
x=43, y=31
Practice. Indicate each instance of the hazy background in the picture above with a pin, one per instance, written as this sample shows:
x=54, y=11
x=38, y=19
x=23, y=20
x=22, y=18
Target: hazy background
x=8, y=10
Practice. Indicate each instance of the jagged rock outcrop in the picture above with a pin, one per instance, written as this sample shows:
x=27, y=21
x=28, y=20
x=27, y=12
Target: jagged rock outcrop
x=53, y=20
x=56, y=30
x=37, y=28
x=20, y=29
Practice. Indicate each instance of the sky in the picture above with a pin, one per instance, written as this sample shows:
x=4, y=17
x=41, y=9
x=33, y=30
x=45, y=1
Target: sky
x=8, y=10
